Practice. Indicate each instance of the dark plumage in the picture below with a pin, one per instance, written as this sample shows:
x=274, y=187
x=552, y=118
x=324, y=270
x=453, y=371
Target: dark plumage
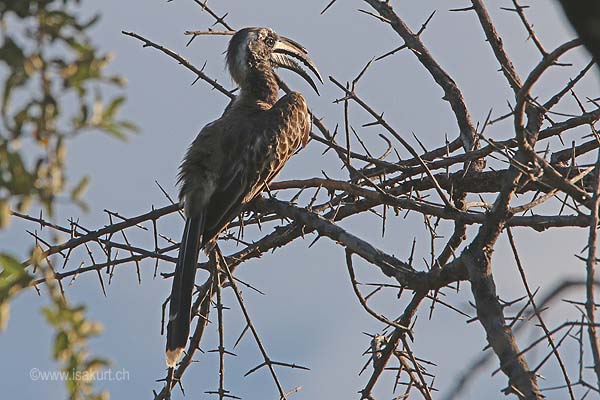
x=235, y=157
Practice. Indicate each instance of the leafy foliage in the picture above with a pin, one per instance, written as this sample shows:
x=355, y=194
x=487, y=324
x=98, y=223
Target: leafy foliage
x=70, y=343
x=13, y=278
x=52, y=92
x=53, y=85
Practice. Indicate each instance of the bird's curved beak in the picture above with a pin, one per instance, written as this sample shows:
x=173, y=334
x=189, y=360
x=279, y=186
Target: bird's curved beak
x=286, y=52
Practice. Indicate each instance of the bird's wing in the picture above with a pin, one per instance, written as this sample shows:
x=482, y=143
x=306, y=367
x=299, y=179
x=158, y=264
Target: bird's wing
x=200, y=169
x=236, y=158
x=286, y=127
x=226, y=201
x=212, y=175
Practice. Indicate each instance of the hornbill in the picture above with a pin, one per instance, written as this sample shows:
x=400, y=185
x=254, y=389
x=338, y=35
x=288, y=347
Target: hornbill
x=234, y=158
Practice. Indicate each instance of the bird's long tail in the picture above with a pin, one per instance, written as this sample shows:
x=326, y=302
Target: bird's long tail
x=180, y=306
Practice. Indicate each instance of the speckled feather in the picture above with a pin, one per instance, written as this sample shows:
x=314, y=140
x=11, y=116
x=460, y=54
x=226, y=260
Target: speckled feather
x=235, y=157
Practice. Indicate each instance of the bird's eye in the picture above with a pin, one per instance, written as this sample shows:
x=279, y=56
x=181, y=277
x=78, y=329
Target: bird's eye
x=270, y=41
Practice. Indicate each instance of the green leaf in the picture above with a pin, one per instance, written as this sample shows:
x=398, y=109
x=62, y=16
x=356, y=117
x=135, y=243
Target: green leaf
x=113, y=108
x=13, y=278
x=20, y=7
x=61, y=345
x=11, y=266
x=21, y=181
x=51, y=316
x=5, y=215
x=114, y=130
x=77, y=45
x=4, y=315
x=130, y=126
x=80, y=188
x=11, y=54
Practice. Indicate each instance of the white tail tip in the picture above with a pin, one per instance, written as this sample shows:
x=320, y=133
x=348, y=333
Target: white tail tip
x=173, y=356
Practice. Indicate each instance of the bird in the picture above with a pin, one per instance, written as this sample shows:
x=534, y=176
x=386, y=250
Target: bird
x=234, y=158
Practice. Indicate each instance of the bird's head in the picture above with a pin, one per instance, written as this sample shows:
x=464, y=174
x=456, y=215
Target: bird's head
x=252, y=48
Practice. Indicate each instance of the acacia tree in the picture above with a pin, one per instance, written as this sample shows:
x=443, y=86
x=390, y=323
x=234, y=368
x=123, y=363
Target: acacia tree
x=474, y=179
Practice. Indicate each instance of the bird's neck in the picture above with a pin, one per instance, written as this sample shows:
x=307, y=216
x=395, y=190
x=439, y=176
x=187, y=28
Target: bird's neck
x=260, y=85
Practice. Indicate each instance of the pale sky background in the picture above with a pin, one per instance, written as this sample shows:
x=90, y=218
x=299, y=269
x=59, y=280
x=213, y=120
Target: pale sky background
x=310, y=315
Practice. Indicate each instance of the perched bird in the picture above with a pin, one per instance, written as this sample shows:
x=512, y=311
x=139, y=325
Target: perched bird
x=234, y=158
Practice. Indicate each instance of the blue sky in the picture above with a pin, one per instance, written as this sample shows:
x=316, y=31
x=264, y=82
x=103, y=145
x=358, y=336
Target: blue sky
x=310, y=315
